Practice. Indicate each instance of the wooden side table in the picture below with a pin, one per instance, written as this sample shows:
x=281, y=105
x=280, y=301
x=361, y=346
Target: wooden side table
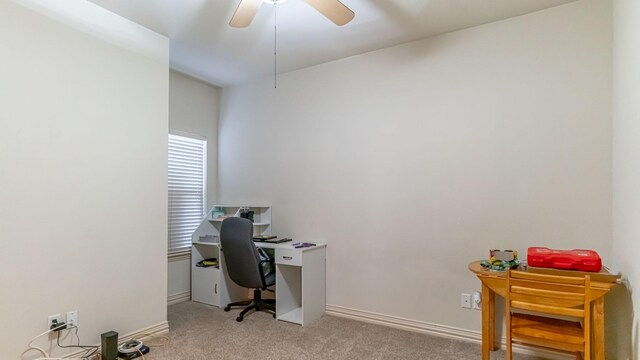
x=494, y=282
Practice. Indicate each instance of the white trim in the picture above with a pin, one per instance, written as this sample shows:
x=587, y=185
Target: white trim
x=153, y=330
x=144, y=334
x=433, y=329
x=178, y=298
x=405, y=324
x=187, y=134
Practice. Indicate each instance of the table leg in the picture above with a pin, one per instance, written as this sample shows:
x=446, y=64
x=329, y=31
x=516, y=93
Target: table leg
x=488, y=322
x=597, y=328
x=492, y=319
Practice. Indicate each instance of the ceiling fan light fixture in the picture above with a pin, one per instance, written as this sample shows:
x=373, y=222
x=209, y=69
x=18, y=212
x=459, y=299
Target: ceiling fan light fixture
x=333, y=10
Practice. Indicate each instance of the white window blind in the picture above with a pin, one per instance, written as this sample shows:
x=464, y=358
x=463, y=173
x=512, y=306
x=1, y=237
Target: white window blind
x=187, y=184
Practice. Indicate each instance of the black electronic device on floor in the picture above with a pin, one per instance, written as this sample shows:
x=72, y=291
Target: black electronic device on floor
x=132, y=355
x=109, y=341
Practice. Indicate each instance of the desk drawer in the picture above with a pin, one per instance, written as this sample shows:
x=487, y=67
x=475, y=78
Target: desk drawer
x=289, y=257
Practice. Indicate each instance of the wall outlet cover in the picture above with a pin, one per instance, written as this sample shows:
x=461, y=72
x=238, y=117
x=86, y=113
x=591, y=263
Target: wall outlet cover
x=476, y=301
x=465, y=301
x=50, y=318
x=72, y=318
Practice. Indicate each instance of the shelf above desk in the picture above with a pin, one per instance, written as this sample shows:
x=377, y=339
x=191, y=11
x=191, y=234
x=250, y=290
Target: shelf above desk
x=219, y=220
x=206, y=243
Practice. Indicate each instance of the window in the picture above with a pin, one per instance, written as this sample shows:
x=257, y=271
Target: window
x=187, y=184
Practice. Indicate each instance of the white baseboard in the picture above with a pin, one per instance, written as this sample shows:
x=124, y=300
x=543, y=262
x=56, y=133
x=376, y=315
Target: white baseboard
x=142, y=334
x=433, y=329
x=405, y=324
x=146, y=333
x=178, y=298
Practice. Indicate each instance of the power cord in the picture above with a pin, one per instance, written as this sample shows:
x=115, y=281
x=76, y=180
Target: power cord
x=57, y=327
x=130, y=346
x=152, y=340
x=32, y=347
x=165, y=339
x=90, y=350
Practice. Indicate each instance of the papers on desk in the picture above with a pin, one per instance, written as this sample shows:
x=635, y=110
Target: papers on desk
x=271, y=240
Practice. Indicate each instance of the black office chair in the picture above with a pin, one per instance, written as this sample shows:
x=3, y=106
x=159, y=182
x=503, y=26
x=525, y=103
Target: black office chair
x=247, y=265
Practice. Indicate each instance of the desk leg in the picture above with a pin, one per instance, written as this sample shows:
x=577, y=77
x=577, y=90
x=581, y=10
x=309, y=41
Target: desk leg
x=597, y=328
x=492, y=320
x=488, y=321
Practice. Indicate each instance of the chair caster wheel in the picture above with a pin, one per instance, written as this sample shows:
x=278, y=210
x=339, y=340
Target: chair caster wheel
x=239, y=319
x=227, y=308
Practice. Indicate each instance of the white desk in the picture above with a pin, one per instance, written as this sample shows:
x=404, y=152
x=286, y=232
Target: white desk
x=300, y=281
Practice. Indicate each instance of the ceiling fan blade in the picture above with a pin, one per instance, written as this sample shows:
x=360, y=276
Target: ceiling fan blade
x=334, y=10
x=246, y=11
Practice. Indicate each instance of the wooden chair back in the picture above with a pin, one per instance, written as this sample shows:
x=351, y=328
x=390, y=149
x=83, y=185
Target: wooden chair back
x=550, y=296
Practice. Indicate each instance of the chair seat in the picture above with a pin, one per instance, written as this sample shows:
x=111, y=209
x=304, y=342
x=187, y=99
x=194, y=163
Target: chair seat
x=559, y=334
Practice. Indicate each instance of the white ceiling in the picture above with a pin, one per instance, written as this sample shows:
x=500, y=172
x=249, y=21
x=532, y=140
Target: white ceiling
x=205, y=46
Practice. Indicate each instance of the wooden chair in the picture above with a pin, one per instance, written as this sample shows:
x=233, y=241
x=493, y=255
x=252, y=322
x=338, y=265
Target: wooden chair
x=540, y=301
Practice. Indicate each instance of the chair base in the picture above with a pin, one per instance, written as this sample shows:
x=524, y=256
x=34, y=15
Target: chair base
x=256, y=303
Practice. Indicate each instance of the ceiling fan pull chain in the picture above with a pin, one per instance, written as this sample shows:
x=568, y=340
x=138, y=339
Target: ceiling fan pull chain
x=275, y=47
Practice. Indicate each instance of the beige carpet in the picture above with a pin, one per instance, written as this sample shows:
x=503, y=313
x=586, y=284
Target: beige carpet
x=204, y=332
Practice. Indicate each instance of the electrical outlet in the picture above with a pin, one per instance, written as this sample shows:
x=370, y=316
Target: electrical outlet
x=72, y=318
x=57, y=317
x=476, y=301
x=465, y=301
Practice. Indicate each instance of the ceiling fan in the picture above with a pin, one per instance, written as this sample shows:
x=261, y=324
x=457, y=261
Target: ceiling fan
x=334, y=10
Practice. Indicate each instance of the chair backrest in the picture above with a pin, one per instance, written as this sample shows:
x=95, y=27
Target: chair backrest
x=551, y=295
x=240, y=253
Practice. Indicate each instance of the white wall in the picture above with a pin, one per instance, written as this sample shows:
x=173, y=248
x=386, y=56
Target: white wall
x=83, y=195
x=412, y=161
x=194, y=108
x=626, y=172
